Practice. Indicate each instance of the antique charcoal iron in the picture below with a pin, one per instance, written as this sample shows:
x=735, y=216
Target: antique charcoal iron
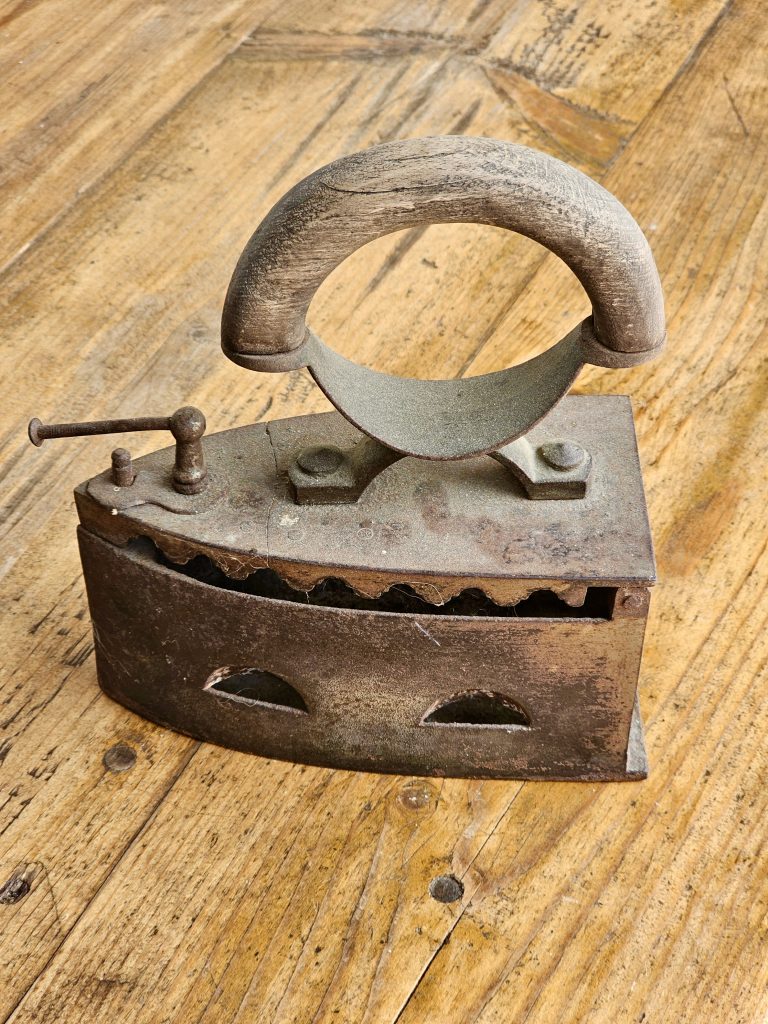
x=302, y=590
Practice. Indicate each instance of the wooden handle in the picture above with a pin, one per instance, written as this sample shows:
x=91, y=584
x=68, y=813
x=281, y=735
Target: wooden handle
x=405, y=184
x=414, y=182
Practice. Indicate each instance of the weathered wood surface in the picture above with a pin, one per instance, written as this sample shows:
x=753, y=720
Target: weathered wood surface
x=201, y=885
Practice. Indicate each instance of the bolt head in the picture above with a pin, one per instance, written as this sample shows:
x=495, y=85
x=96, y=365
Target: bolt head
x=562, y=455
x=320, y=461
x=633, y=601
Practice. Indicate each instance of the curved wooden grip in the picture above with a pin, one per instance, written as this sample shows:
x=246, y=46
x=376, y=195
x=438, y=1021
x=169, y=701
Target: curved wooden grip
x=414, y=182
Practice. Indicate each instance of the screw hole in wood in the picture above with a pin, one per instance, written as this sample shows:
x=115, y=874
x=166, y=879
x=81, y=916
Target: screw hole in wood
x=14, y=890
x=119, y=758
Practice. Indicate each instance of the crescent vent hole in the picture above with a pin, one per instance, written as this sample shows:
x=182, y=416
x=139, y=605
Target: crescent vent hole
x=479, y=708
x=254, y=686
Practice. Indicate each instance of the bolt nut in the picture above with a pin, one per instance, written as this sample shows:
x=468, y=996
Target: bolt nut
x=562, y=455
x=633, y=601
x=320, y=461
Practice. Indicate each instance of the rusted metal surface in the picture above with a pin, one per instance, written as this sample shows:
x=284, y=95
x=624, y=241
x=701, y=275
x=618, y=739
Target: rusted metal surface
x=39, y=432
x=190, y=475
x=368, y=679
x=440, y=528
x=415, y=182
x=544, y=471
x=436, y=532
x=329, y=476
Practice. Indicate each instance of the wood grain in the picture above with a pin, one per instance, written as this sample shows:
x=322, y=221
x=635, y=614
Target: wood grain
x=202, y=885
x=414, y=183
x=84, y=83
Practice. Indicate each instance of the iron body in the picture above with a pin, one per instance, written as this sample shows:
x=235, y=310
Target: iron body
x=178, y=604
x=445, y=577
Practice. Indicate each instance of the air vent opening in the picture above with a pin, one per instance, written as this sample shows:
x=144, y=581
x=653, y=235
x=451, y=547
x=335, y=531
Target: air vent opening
x=400, y=598
x=479, y=708
x=254, y=686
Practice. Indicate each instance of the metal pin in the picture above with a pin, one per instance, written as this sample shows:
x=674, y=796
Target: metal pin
x=122, y=468
x=39, y=432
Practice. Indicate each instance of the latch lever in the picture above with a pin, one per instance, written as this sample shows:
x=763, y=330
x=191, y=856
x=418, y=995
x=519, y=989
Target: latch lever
x=187, y=425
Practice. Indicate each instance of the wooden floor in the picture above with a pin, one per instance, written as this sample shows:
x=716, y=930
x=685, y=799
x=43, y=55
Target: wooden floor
x=141, y=144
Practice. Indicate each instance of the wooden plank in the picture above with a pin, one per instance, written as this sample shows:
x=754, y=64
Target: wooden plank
x=89, y=816
x=599, y=56
x=132, y=235
x=266, y=907
x=84, y=83
x=139, y=328
x=649, y=903
x=572, y=70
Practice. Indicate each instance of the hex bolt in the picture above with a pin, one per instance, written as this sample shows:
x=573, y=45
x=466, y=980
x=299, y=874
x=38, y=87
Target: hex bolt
x=122, y=468
x=562, y=455
x=321, y=461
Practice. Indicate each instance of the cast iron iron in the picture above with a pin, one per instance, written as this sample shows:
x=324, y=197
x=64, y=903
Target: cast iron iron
x=363, y=588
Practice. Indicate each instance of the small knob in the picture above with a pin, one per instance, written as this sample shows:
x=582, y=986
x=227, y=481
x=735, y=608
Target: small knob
x=188, y=426
x=122, y=468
